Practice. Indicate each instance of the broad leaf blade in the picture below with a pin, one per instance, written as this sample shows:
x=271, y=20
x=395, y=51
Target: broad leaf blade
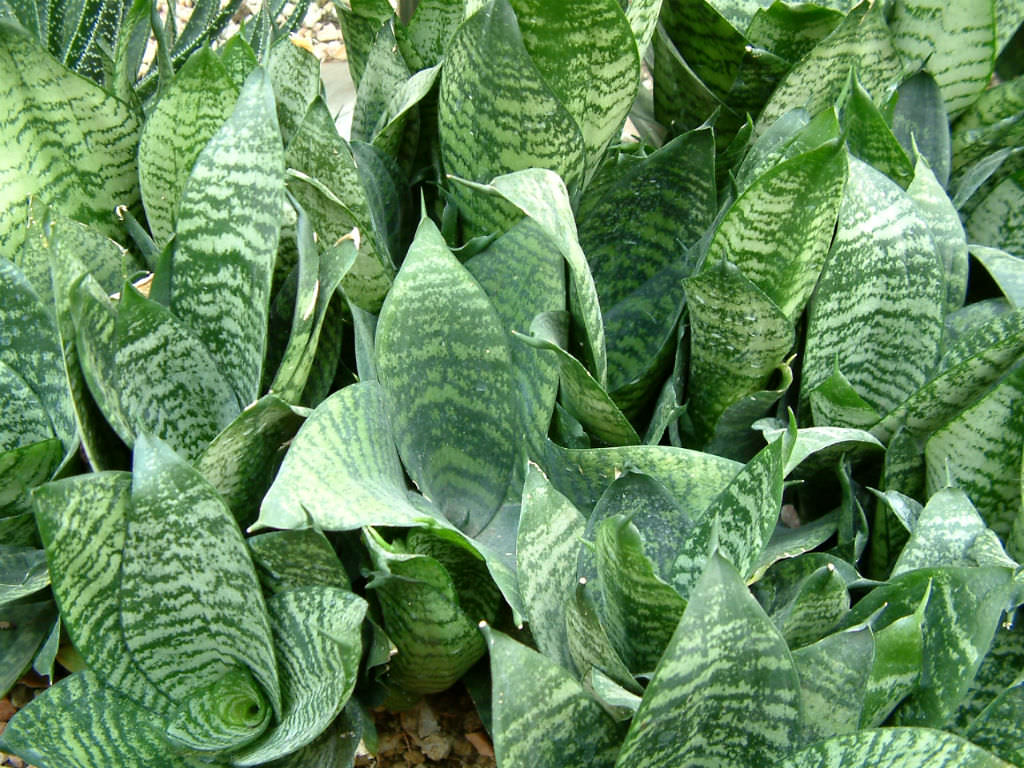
x=894, y=748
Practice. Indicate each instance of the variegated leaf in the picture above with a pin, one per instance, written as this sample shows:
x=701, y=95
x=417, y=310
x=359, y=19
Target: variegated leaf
x=815, y=604
x=726, y=691
x=1006, y=269
x=288, y=559
x=896, y=668
x=530, y=694
x=440, y=340
x=877, y=310
x=869, y=137
x=996, y=220
x=342, y=471
x=894, y=748
x=948, y=233
x=424, y=40
x=86, y=174
x=226, y=238
x=589, y=645
x=185, y=118
x=833, y=675
x=295, y=75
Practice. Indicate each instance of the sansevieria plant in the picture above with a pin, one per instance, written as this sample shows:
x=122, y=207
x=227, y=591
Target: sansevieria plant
x=653, y=368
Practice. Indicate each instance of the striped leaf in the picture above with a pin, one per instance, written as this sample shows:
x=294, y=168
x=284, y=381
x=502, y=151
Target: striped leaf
x=1006, y=269
x=342, y=470
x=424, y=40
x=640, y=610
x=185, y=118
x=89, y=172
x=919, y=118
x=318, y=643
x=950, y=532
x=288, y=559
x=583, y=52
x=385, y=74
x=877, y=310
x=550, y=533
x=814, y=605
x=531, y=694
x=726, y=691
x=955, y=42
x=948, y=233
x=581, y=396
x=182, y=547
x=440, y=340
x=226, y=238
x=642, y=16
x=996, y=220
x=589, y=645
x=360, y=22
x=738, y=338
x=991, y=123
x=794, y=133
x=894, y=748
x=780, y=245
x=83, y=722
x=791, y=31
x=83, y=522
x=869, y=136
x=708, y=41
x=23, y=572
x=225, y=715
x=824, y=442
x=896, y=668
x=792, y=542
x=437, y=641
x=240, y=461
x=979, y=450
x=740, y=519
x=693, y=479
x=862, y=42
x=295, y=75
x=833, y=675
x=490, y=86
x=167, y=382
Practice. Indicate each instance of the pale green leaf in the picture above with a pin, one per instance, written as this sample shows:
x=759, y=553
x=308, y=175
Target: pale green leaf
x=289, y=559
x=894, y=748
x=1006, y=269
x=295, y=76
x=833, y=674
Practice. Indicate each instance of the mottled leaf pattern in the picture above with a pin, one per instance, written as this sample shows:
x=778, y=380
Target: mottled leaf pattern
x=894, y=748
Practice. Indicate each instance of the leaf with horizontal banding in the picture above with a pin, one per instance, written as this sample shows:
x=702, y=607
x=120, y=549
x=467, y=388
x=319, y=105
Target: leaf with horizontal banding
x=738, y=338
x=893, y=748
x=530, y=692
x=792, y=134
x=288, y=559
x=240, y=461
x=437, y=641
x=24, y=421
x=589, y=645
x=83, y=722
x=549, y=537
x=877, y=310
x=1006, y=269
x=82, y=522
x=184, y=119
x=226, y=238
x=402, y=123
x=869, y=137
x=778, y=231
x=709, y=42
x=86, y=174
x=997, y=220
x=787, y=543
x=693, y=479
x=439, y=340
x=581, y=396
x=295, y=75
x=583, y=52
x=225, y=715
x=815, y=604
x=991, y=123
x=342, y=470
x=360, y=23
x=950, y=532
x=956, y=43
x=791, y=31
x=816, y=440
x=497, y=114
x=833, y=675
x=318, y=644
x=386, y=72
x=642, y=16
x=862, y=41
x=740, y=519
x=979, y=450
x=640, y=611
x=168, y=384
x=183, y=547
x=424, y=40
x=726, y=691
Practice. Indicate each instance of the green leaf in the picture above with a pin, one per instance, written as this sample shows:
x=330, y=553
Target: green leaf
x=425, y=39
x=360, y=22
x=738, y=338
x=82, y=722
x=955, y=42
x=226, y=238
x=225, y=715
x=295, y=75
x=491, y=85
x=869, y=137
x=342, y=470
x=23, y=572
x=530, y=692
x=28, y=625
x=640, y=610
x=862, y=42
x=726, y=691
x=593, y=75
x=167, y=383
x=550, y=535
x=437, y=641
x=1006, y=269
x=643, y=19
x=88, y=172
x=877, y=310
x=778, y=231
x=589, y=645
x=185, y=118
x=919, y=119
x=979, y=450
x=317, y=640
x=893, y=748
x=833, y=675
x=791, y=31
x=814, y=605
x=440, y=340
x=896, y=668
x=996, y=220
x=386, y=72
x=288, y=559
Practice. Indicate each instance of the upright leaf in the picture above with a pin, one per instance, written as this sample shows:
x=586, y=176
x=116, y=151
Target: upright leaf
x=894, y=748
